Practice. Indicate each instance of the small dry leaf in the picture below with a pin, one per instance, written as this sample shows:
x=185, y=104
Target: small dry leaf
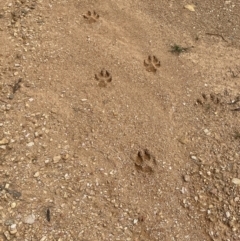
x=190, y=7
x=236, y=181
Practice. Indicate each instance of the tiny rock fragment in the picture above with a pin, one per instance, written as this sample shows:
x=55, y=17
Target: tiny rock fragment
x=56, y=159
x=7, y=235
x=207, y=132
x=66, y=176
x=13, y=205
x=183, y=140
x=183, y=190
x=65, y=156
x=36, y=174
x=30, y=144
x=4, y=141
x=13, y=229
x=30, y=219
x=236, y=199
x=236, y=181
x=135, y=221
x=190, y=7
x=186, y=178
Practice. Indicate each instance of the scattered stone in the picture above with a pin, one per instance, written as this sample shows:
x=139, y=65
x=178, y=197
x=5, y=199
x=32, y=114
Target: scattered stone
x=186, y=178
x=194, y=158
x=30, y=144
x=13, y=229
x=236, y=199
x=30, y=219
x=13, y=205
x=7, y=235
x=66, y=176
x=65, y=156
x=236, y=181
x=207, y=132
x=56, y=159
x=3, y=147
x=190, y=7
x=228, y=214
x=11, y=96
x=36, y=174
x=8, y=107
x=183, y=190
x=4, y=141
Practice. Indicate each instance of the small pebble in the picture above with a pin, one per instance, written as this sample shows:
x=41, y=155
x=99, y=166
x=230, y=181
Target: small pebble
x=7, y=235
x=236, y=181
x=135, y=221
x=4, y=141
x=207, y=132
x=36, y=174
x=13, y=229
x=30, y=219
x=13, y=205
x=194, y=158
x=186, y=178
x=56, y=159
x=30, y=144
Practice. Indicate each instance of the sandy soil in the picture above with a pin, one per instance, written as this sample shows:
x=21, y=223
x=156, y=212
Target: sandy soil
x=119, y=120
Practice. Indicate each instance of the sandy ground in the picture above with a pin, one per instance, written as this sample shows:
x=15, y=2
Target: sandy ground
x=119, y=120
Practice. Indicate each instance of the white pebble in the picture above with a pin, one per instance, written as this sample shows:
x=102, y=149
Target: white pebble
x=30, y=219
x=30, y=144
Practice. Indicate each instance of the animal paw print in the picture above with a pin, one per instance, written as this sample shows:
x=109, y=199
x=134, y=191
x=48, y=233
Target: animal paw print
x=91, y=17
x=103, y=78
x=145, y=162
x=152, y=63
x=208, y=102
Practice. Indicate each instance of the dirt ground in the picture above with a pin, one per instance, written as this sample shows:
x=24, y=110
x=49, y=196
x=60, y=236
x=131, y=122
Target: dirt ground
x=119, y=120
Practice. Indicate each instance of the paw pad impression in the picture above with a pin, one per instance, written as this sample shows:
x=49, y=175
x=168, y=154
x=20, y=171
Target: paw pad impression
x=91, y=17
x=152, y=63
x=103, y=78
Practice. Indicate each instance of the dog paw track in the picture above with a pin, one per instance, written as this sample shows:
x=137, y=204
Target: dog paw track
x=152, y=63
x=144, y=161
x=103, y=78
x=91, y=17
x=209, y=101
